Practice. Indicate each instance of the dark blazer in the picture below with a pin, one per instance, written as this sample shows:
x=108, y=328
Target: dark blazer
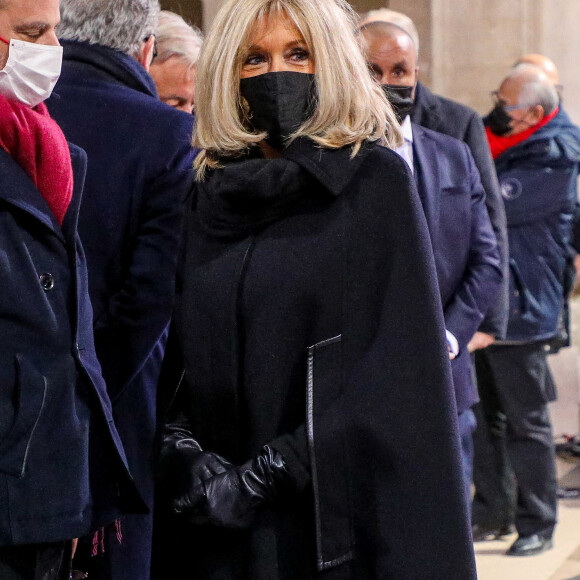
x=464, y=244
x=139, y=172
x=61, y=460
x=321, y=332
x=456, y=120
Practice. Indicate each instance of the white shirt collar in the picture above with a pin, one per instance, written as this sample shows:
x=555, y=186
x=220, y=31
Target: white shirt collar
x=407, y=129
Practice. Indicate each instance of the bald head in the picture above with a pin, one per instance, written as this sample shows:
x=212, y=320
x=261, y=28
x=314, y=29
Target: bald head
x=390, y=53
x=393, y=17
x=546, y=65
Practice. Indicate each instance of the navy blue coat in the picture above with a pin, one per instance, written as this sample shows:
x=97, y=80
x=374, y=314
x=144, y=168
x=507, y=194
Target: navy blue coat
x=61, y=460
x=456, y=120
x=464, y=244
x=139, y=172
x=538, y=184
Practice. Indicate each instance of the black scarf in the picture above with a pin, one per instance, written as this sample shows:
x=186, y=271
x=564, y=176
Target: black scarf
x=246, y=196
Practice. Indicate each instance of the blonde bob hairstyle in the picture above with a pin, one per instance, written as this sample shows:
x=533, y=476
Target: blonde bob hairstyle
x=351, y=106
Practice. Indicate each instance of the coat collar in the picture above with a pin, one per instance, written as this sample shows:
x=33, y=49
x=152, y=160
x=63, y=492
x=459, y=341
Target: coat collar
x=18, y=190
x=113, y=63
x=425, y=111
x=332, y=168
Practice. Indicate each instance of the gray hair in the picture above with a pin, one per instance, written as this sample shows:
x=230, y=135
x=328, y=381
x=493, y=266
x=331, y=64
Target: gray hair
x=536, y=89
x=118, y=24
x=177, y=39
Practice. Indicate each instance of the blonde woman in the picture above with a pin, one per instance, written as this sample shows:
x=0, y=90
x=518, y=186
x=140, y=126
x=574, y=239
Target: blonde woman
x=313, y=430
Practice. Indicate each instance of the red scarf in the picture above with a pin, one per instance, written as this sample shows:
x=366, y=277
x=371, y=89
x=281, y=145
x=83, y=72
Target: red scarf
x=499, y=145
x=38, y=145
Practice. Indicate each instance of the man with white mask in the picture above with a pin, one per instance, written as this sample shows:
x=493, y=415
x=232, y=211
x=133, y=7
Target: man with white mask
x=63, y=471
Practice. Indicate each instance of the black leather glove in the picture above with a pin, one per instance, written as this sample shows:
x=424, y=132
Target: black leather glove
x=231, y=499
x=184, y=466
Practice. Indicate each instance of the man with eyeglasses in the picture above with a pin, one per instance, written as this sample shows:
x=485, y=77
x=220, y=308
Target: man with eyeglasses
x=537, y=158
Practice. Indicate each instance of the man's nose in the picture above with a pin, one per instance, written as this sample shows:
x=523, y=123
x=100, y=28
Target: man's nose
x=51, y=39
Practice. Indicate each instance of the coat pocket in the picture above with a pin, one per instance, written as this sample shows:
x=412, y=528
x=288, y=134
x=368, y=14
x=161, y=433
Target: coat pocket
x=328, y=461
x=30, y=395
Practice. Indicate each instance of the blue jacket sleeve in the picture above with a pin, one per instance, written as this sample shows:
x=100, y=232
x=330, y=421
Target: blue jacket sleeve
x=483, y=276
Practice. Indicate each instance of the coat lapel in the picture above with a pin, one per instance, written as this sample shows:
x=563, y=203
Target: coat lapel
x=427, y=179
x=426, y=111
x=17, y=189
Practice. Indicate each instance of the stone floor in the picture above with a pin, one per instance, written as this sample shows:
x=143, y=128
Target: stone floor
x=560, y=563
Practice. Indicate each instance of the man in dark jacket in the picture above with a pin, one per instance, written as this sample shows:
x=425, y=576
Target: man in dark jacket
x=63, y=471
x=537, y=157
x=456, y=120
x=468, y=264
x=139, y=172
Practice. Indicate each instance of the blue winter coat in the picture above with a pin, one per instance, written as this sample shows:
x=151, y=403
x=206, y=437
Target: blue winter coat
x=61, y=460
x=139, y=172
x=538, y=185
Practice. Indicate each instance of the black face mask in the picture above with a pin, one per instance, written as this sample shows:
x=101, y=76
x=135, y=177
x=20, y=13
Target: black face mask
x=401, y=99
x=498, y=121
x=279, y=103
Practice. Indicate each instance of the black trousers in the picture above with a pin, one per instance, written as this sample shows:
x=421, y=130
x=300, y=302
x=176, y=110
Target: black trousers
x=514, y=470
x=36, y=562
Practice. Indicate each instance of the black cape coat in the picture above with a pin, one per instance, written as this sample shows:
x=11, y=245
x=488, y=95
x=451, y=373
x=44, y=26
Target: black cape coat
x=315, y=326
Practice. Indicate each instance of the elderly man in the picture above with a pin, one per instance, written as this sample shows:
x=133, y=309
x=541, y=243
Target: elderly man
x=138, y=175
x=62, y=467
x=173, y=69
x=547, y=66
x=537, y=157
x=465, y=248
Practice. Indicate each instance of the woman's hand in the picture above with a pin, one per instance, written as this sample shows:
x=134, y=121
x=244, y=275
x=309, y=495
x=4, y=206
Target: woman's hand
x=183, y=468
x=232, y=498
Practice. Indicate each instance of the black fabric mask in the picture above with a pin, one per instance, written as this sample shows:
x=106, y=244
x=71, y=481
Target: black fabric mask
x=401, y=99
x=498, y=121
x=279, y=103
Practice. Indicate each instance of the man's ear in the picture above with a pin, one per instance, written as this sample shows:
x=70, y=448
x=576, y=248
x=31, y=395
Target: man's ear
x=145, y=56
x=537, y=113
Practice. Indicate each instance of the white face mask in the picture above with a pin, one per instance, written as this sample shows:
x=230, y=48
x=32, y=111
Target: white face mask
x=30, y=72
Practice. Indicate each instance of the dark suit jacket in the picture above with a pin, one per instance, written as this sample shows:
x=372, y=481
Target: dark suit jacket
x=465, y=248
x=139, y=172
x=457, y=120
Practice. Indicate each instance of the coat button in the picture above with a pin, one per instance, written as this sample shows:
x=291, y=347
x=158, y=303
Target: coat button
x=47, y=282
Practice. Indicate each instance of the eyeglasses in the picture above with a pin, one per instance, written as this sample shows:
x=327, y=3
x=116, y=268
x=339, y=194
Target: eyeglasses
x=501, y=103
